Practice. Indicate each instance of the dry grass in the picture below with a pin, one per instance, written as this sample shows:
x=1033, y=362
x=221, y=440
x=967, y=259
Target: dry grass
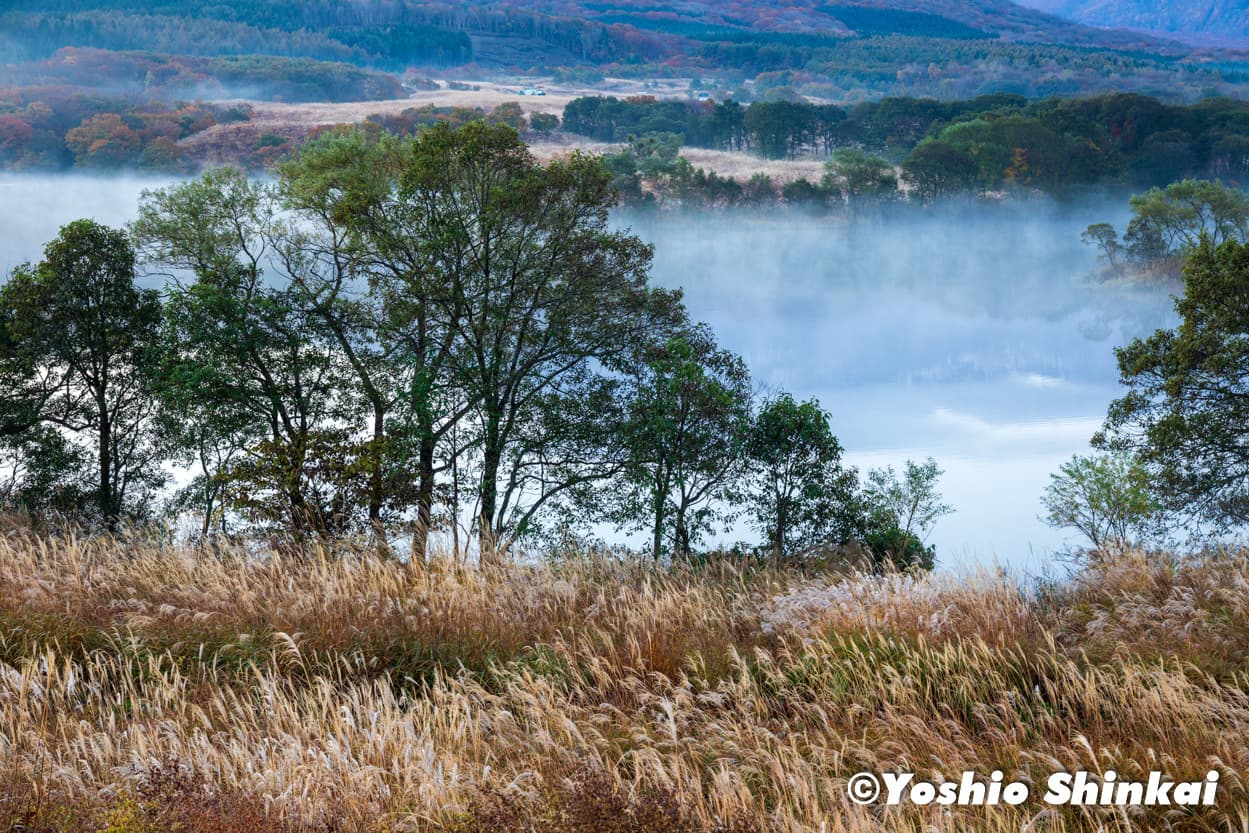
x=151, y=689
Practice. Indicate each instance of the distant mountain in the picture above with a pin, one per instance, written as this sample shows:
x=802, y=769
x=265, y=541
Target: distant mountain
x=1209, y=22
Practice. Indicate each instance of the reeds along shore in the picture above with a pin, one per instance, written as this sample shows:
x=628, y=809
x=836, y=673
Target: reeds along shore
x=146, y=688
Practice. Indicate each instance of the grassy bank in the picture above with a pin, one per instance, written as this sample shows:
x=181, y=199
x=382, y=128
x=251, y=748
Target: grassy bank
x=152, y=689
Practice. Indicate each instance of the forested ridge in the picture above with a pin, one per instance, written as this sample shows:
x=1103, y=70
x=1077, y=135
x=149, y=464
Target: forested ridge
x=839, y=50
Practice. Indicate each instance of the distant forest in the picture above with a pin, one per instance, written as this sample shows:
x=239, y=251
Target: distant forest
x=984, y=143
x=932, y=148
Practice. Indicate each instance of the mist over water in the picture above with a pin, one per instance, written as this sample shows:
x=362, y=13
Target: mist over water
x=33, y=207
x=974, y=334
x=971, y=334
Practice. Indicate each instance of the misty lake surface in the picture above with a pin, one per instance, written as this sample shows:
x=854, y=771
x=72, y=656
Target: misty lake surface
x=973, y=334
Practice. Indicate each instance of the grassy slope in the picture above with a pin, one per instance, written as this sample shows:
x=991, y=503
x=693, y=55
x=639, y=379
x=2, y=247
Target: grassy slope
x=149, y=689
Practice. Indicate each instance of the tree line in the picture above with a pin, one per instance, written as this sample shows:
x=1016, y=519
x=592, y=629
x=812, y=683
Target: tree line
x=401, y=333
x=985, y=143
x=1168, y=225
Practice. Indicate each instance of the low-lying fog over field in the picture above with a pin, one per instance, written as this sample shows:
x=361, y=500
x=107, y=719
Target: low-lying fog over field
x=975, y=335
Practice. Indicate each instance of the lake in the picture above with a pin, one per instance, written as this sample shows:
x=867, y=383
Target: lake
x=972, y=334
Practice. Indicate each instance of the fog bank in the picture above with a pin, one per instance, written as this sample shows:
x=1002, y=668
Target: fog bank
x=976, y=335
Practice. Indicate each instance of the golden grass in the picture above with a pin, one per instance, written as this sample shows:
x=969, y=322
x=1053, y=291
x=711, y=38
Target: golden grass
x=145, y=688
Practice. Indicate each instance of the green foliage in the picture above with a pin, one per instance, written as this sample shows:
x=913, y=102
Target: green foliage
x=77, y=354
x=901, y=511
x=651, y=170
x=949, y=147
x=796, y=489
x=248, y=378
x=1185, y=411
x=543, y=122
x=406, y=329
x=1169, y=223
x=687, y=420
x=1106, y=239
x=936, y=169
x=858, y=176
x=539, y=293
x=1107, y=498
x=209, y=28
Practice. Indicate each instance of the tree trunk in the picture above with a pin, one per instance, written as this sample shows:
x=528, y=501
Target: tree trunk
x=660, y=498
x=376, y=453
x=424, y=499
x=107, y=509
x=682, y=544
x=491, y=459
x=782, y=521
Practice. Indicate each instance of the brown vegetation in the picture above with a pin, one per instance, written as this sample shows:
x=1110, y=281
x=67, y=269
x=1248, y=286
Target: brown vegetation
x=153, y=688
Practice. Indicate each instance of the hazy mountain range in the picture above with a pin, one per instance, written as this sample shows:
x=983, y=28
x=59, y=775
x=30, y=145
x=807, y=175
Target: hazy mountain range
x=1213, y=22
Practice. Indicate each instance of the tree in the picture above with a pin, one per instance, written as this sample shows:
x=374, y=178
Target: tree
x=363, y=226
x=79, y=348
x=542, y=297
x=1104, y=237
x=901, y=512
x=103, y=141
x=802, y=193
x=1187, y=406
x=336, y=188
x=1106, y=497
x=687, y=422
x=859, y=176
x=509, y=113
x=543, y=122
x=779, y=129
x=1169, y=222
x=935, y=169
x=250, y=371
x=797, y=489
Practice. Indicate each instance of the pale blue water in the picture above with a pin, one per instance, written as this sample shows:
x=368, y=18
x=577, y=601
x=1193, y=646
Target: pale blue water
x=972, y=334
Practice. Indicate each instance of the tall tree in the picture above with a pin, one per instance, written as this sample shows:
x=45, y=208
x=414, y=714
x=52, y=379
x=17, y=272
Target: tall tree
x=1108, y=498
x=858, y=176
x=797, y=489
x=250, y=366
x=1169, y=222
x=79, y=346
x=689, y=410
x=901, y=512
x=541, y=294
x=350, y=186
x=324, y=254
x=1187, y=406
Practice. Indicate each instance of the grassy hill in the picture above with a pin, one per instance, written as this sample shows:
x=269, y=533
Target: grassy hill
x=147, y=689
